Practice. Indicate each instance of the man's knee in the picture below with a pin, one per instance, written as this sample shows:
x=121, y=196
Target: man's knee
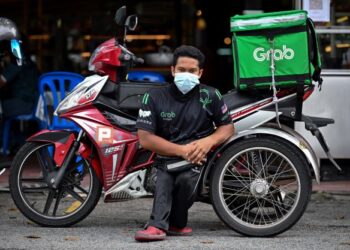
x=187, y=179
x=164, y=178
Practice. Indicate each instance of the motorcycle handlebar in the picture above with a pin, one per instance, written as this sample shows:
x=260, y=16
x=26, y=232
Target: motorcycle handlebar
x=139, y=60
x=132, y=59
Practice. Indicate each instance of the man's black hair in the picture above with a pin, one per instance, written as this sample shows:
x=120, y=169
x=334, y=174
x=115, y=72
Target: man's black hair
x=189, y=51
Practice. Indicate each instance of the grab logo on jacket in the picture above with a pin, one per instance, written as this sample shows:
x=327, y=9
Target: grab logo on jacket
x=261, y=55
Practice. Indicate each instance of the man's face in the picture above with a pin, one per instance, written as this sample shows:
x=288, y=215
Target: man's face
x=186, y=64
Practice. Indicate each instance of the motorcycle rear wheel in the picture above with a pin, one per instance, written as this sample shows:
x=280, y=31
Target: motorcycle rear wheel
x=71, y=202
x=261, y=186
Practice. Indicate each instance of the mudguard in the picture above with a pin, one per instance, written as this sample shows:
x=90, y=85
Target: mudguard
x=62, y=141
x=284, y=133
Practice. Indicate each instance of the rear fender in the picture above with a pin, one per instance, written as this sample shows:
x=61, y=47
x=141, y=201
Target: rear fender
x=62, y=141
x=283, y=133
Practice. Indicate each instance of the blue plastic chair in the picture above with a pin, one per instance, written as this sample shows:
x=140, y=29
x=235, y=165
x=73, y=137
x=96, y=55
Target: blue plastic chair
x=57, y=83
x=7, y=126
x=148, y=76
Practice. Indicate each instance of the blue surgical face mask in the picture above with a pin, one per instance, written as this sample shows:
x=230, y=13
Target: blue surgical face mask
x=185, y=81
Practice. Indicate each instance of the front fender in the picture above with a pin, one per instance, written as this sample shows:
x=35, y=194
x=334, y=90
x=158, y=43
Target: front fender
x=284, y=133
x=62, y=141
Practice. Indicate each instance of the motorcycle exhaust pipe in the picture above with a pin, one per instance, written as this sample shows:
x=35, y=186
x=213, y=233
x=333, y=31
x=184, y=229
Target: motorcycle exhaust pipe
x=2, y=171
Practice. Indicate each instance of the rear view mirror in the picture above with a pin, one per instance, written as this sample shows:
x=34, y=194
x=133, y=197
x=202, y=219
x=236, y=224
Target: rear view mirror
x=120, y=16
x=131, y=22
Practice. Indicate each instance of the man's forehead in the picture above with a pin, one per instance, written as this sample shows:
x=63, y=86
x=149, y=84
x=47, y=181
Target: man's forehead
x=189, y=61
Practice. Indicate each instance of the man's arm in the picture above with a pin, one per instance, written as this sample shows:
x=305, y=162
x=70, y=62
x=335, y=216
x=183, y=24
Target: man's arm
x=164, y=147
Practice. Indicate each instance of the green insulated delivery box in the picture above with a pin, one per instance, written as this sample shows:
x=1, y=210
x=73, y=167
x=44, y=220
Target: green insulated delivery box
x=288, y=35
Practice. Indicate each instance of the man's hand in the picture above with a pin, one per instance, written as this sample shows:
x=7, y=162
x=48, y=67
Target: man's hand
x=204, y=145
x=201, y=149
x=187, y=150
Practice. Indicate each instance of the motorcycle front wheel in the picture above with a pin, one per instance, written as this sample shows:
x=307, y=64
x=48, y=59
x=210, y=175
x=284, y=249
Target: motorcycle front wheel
x=72, y=201
x=261, y=186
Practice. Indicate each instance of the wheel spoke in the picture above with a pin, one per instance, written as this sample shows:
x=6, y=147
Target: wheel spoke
x=281, y=188
x=238, y=208
x=71, y=182
x=244, y=166
x=247, y=205
x=278, y=175
x=277, y=204
x=230, y=195
x=273, y=178
x=58, y=199
x=267, y=164
x=41, y=163
x=49, y=202
x=74, y=194
x=81, y=189
x=244, y=184
x=234, y=183
x=274, y=205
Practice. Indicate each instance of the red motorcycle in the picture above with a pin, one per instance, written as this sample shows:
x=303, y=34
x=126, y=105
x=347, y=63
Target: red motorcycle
x=259, y=181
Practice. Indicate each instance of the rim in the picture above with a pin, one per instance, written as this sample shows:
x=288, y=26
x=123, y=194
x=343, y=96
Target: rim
x=259, y=187
x=54, y=204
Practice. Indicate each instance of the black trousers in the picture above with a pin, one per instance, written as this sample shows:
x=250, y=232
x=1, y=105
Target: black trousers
x=173, y=197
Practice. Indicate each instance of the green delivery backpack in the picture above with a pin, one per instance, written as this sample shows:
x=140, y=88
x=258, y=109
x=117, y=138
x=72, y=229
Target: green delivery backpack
x=289, y=36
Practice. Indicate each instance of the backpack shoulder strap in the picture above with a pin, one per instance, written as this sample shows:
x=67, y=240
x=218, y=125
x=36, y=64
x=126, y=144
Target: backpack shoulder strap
x=315, y=60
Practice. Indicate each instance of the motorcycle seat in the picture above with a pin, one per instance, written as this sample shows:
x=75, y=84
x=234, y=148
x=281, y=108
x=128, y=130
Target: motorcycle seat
x=235, y=99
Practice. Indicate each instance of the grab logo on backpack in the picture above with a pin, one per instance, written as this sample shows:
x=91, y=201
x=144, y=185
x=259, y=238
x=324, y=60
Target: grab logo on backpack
x=261, y=55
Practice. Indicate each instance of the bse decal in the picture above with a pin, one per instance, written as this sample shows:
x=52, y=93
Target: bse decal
x=260, y=55
x=112, y=150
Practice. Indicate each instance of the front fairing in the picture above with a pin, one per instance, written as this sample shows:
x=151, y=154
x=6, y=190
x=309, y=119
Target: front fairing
x=83, y=94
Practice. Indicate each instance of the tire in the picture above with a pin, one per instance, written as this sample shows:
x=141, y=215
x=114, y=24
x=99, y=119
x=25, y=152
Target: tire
x=260, y=186
x=71, y=202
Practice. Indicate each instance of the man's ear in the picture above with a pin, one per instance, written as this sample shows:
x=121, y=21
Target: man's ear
x=200, y=73
x=173, y=71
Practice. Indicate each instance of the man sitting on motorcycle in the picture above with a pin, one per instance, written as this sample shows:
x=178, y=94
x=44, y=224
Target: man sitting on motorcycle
x=181, y=121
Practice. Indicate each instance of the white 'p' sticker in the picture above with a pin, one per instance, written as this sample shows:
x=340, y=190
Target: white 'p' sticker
x=104, y=134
